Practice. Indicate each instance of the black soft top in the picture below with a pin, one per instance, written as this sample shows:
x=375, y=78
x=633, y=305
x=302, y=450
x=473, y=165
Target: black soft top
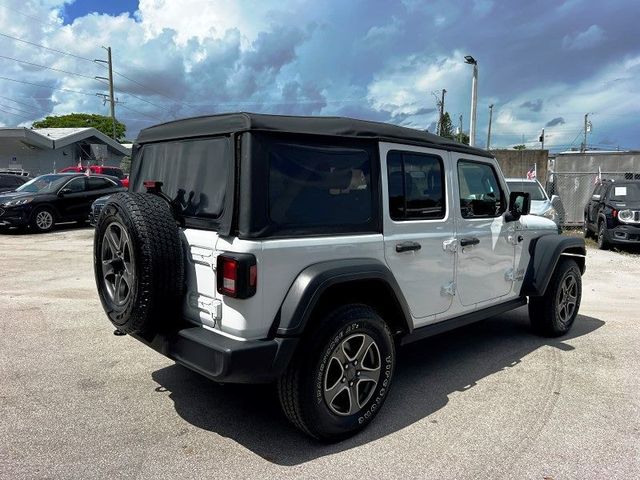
x=231, y=123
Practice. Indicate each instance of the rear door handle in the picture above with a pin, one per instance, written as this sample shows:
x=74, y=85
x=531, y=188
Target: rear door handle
x=465, y=242
x=407, y=247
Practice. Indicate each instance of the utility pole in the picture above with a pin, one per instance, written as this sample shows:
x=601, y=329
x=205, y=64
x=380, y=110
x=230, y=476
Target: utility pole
x=460, y=130
x=112, y=99
x=441, y=103
x=587, y=129
x=474, y=99
x=489, y=132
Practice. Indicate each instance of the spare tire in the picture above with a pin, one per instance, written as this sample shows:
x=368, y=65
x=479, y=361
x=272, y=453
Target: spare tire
x=138, y=263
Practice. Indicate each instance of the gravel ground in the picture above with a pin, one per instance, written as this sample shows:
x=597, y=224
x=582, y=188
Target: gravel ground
x=490, y=401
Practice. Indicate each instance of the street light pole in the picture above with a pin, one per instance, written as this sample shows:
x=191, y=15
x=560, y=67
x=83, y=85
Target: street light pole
x=474, y=99
x=489, y=132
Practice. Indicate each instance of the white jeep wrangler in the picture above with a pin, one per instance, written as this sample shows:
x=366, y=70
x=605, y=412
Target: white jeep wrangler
x=305, y=250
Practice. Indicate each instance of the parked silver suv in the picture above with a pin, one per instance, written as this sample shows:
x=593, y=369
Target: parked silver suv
x=304, y=251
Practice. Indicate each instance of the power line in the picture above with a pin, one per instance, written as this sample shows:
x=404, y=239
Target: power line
x=68, y=90
x=16, y=114
x=46, y=48
x=19, y=110
x=18, y=102
x=48, y=68
x=141, y=113
x=29, y=16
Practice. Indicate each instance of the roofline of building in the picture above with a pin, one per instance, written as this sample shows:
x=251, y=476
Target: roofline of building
x=32, y=137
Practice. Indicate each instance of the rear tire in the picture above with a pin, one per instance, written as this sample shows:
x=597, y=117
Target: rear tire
x=553, y=314
x=138, y=263
x=341, y=375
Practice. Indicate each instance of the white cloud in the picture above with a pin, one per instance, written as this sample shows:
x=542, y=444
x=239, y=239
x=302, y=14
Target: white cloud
x=591, y=37
x=407, y=87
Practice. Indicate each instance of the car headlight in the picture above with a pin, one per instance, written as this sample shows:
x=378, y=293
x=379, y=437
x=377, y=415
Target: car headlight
x=625, y=215
x=15, y=203
x=551, y=214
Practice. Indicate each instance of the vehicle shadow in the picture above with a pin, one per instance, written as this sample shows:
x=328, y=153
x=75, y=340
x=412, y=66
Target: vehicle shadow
x=427, y=373
x=60, y=227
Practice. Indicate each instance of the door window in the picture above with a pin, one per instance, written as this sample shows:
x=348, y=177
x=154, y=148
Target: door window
x=480, y=192
x=97, y=183
x=416, y=186
x=76, y=185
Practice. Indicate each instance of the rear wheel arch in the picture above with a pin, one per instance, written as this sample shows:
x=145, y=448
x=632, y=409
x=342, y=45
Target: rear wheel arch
x=322, y=287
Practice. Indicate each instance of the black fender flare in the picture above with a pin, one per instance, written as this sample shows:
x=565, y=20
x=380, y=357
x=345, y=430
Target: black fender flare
x=545, y=253
x=314, y=280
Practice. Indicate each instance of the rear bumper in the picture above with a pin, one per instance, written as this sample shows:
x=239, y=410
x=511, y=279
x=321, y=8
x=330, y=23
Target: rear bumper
x=224, y=359
x=623, y=234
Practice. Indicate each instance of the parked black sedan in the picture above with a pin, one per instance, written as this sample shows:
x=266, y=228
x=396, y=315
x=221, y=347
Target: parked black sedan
x=54, y=198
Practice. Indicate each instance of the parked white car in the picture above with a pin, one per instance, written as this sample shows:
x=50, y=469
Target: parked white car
x=541, y=204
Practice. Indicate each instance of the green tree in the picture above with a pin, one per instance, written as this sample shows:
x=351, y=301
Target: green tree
x=520, y=147
x=80, y=120
x=447, y=130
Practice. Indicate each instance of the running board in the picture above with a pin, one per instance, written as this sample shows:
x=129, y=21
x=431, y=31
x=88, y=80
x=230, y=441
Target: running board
x=453, y=323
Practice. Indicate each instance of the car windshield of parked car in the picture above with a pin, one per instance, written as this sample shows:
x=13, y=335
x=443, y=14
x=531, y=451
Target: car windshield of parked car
x=44, y=184
x=532, y=188
x=625, y=192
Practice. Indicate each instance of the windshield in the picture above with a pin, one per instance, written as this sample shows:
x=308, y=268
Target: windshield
x=625, y=192
x=44, y=184
x=532, y=188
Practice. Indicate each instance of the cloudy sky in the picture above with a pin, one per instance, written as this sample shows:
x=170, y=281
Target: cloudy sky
x=542, y=63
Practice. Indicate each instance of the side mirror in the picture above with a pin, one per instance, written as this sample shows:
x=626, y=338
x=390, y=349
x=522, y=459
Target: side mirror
x=519, y=204
x=64, y=192
x=555, y=201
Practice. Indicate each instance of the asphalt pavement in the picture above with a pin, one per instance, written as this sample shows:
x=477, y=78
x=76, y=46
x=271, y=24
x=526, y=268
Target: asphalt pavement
x=490, y=401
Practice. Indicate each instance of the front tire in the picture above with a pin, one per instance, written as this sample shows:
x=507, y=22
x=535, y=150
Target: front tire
x=553, y=314
x=43, y=220
x=603, y=243
x=341, y=375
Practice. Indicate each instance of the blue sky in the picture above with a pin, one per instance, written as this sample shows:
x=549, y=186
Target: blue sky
x=542, y=64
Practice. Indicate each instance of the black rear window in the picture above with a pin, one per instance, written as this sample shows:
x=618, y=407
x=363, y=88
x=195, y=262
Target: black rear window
x=194, y=173
x=312, y=185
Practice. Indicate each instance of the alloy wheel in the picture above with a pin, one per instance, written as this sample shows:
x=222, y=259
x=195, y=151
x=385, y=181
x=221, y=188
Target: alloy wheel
x=567, y=298
x=44, y=220
x=352, y=374
x=118, y=269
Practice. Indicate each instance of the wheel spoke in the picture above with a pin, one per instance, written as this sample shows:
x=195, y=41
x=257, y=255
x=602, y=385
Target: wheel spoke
x=111, y=240
x=348, y=344
x=367, y=375
x=364, y=349
x=107, y=268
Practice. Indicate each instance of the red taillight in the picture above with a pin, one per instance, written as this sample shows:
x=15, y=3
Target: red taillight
x=614, y=212
x=229, y=276
x=237, y=274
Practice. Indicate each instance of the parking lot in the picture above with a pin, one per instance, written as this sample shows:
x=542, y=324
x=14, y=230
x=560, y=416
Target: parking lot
x=491, y=401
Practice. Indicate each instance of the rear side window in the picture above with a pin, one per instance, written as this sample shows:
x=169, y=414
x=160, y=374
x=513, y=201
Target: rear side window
x=97, y=183
x=416, y=186
x=312, y=185
x=194, y=173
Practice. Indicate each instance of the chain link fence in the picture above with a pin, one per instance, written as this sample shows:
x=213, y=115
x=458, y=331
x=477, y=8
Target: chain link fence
x=575, y=189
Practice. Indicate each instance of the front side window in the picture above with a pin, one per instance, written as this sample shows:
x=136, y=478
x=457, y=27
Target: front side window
x=416, y=186
x=480, y=193
x=314, y=185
